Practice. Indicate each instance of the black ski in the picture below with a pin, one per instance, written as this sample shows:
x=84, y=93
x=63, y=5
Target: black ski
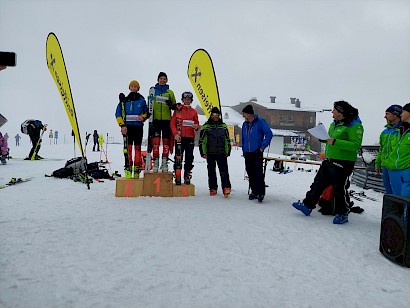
x=178, y=151
x=361, y=195
x=150, y=128
x=355, y=197
x=124, y=137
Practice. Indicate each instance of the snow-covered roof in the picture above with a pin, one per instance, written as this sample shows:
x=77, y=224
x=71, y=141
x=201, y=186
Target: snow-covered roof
x=235, y=118
x=288, y=106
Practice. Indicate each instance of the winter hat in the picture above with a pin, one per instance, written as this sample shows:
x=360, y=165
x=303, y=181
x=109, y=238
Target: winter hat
x=134, y=83
x=395, y=109
x=162, y=74
x=407, y=107
x=215, y=110
x=248, y=109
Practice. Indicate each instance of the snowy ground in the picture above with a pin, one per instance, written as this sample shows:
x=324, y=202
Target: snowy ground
x=62, y=245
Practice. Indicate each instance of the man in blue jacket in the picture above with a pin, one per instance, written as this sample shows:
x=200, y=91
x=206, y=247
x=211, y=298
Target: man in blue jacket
x=256, y=137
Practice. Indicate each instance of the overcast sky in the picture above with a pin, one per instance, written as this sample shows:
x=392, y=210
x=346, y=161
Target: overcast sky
x=318, y=51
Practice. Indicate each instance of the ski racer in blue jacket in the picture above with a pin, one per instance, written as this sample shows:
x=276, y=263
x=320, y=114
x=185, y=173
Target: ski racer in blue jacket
x=131, y=113
x=256, y=137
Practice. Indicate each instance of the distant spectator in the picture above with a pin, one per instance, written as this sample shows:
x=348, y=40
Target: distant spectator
x=17, y=137
x=3, y=149
x=96, y=141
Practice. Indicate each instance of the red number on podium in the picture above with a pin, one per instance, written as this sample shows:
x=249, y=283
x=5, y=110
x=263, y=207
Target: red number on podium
x=184, y=191
x=128, y=187
x=157, y=182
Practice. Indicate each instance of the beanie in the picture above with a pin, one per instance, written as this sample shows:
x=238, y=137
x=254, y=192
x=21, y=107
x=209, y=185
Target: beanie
x=407, y=107
x=162, y=74
x=134, y=83
x=215, y=110
x=248, y=109
x=395, y=109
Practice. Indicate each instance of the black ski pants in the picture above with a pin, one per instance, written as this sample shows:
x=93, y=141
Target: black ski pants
x=222, y=161
x=34, y=134
x=187, y=148
x=96, y=144
x=254, y=169
x=333, y=172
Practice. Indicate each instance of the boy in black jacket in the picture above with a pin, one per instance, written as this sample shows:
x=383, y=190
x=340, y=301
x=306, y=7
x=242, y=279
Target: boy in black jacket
x=215, y=147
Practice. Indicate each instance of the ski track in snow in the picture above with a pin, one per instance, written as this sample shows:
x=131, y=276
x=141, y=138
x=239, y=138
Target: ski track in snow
x=62, y=245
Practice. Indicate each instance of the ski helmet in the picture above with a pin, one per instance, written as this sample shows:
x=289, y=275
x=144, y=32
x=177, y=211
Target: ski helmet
x=187, y=94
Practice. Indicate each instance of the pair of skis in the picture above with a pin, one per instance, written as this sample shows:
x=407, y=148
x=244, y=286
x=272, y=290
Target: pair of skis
x=124, y=137
x=360, y=196
x=15, y=181
x=178, y=153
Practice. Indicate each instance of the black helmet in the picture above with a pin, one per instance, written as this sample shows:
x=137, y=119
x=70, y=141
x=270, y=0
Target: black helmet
x=187, y=94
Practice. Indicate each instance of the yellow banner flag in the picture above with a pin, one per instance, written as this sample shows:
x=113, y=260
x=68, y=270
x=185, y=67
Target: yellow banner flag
x=56, y=65
x=202, y=76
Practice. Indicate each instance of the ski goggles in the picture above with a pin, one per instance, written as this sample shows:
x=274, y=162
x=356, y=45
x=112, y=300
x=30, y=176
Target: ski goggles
x=187, y=94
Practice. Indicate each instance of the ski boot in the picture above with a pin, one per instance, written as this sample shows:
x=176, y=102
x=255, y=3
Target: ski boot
x=252, y=196
x=127, y=173
x=260, y=198
x=3, y=159
x=213, y=192
x=227, y=192
x=302, y=207
x=164, y=165
x=155, y=165
x=340, y=219
x=137, y=170
x=187, y=178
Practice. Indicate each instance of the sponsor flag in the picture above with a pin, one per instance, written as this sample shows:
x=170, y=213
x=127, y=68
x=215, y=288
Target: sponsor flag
x=201, y=74
x=56, y=65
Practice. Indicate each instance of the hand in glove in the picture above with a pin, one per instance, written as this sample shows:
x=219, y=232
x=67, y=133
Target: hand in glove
x=170, y=105
x=121, y=96
x=123, y=130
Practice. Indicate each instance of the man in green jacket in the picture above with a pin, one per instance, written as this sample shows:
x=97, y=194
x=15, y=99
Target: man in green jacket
x=388, y=145
x=345, y=140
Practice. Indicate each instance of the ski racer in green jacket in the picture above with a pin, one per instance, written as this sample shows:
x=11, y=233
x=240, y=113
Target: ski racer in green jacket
x=400, y=176
x=215, y=147
x=389, y=139
x=342, y=146
x=164, y=102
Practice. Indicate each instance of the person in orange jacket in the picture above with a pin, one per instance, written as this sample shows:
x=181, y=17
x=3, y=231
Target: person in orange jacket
x=184, y=123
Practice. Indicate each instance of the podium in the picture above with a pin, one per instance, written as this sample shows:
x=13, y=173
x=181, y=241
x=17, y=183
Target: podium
x=158, y=184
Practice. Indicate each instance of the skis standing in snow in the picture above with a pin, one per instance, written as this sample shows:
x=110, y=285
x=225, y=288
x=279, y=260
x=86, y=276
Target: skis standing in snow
x=184, y=123
x=164, y=102
x=131, y=113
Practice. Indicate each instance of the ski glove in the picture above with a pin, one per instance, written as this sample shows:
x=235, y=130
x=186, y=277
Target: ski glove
x=121, y=96
x=170, y=105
